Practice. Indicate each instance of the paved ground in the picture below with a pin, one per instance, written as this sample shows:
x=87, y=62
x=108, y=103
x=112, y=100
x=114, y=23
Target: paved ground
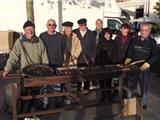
x=98, y=113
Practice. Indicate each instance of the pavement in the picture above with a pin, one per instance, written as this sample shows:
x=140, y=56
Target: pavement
x=100, y=112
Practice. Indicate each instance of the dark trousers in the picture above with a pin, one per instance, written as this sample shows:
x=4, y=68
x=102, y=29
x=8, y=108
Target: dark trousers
x=143, y=79
x=106, y=84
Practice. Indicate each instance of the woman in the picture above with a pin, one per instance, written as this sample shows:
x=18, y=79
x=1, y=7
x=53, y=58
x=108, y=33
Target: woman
x=106, y=55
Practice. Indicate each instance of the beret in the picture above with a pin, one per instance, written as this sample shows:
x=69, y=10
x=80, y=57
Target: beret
x=67, y=24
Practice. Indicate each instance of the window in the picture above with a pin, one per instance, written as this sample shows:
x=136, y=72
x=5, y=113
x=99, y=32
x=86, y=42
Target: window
x=113, y=24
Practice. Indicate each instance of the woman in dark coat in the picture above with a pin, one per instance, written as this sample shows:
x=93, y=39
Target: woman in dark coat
x=106, y=55
x=123, y=41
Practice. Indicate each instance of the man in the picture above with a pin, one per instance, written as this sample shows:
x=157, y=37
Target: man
x=73, y=43
x=98, y=30
x=55, y=43
x=56, y=48
x=73, y=52
x=28, y=49
x=142, y=48
x=88, y=42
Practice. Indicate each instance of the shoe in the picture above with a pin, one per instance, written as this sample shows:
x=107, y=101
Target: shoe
x=144, y=107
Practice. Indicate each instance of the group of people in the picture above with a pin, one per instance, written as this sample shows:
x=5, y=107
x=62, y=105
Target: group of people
x=85, y=47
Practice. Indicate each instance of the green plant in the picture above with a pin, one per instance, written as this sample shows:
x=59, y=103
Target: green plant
x=156, y=28
x=157, y=8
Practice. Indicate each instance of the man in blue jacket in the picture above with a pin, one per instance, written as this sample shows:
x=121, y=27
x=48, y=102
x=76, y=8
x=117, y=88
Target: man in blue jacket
x=142, y=48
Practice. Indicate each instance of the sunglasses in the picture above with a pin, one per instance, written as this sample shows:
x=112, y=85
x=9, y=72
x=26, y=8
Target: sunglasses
x=82, y=25
x=51, y=24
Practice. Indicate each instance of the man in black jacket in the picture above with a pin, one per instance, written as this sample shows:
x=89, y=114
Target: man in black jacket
x=88, y=43
x=142, y=48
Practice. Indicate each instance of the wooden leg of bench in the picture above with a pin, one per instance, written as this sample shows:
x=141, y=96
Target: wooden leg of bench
x=14, y=101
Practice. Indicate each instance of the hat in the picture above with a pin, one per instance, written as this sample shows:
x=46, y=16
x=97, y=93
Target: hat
x=67, y=24
x=28, y=23
x=82, y=21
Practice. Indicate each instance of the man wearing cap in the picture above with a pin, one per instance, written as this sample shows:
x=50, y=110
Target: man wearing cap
x=88, y=42
x=28, y=49
x=73, y=43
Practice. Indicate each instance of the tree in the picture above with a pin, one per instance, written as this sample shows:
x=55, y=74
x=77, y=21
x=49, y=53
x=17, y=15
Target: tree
x=157, y=8
x=156, y=27
x=30, y=10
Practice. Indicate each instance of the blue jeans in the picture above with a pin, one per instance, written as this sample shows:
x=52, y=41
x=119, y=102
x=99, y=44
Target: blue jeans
x=143, y=79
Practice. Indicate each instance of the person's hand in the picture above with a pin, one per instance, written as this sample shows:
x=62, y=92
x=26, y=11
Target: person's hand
x=73, y=57
x=93, y=61
x=5, y=74
x=127, y=61
x=144, y=67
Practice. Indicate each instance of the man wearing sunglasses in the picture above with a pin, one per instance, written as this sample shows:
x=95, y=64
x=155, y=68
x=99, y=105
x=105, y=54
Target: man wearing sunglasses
x=88, y=43
x=56, y=46
x=55, y=43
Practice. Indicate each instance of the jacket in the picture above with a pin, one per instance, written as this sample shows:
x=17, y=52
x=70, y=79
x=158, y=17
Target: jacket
x=106, y=52
x=123, y=49
x=143, y=50
x=36, y=51
x=76, y=49
x=88, y=43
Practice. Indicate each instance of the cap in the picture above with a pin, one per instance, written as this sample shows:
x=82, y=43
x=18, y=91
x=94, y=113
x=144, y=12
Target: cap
x=82, y=21
x=28, y=23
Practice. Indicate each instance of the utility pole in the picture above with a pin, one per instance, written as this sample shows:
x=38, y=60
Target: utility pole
x=146, y=7
x=60, y=14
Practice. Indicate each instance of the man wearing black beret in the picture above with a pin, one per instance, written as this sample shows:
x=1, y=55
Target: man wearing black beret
x=73, y=43
x=67, y=24
x=73, y=51
x=88, y=42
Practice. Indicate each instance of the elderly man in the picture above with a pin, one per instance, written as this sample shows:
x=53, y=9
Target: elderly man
x=73, y=43
x=28, y=49
x=142, y=48
x=73, y=51
x=88, y=42
x=56, y=48
x=55, y=43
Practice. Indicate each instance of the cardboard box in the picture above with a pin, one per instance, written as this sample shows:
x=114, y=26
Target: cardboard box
x=7, y=40
x=129, y=107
